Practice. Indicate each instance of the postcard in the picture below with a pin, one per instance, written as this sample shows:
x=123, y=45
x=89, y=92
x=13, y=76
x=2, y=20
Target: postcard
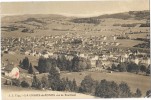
x=75, y=49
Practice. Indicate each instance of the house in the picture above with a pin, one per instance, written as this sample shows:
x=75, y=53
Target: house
x=11, y=71
x=145, y=61
x=114, y=38
x=11, y=52
x=93, y=63
x=117, y=44
x=27, y=53
x=104, y=38
x=81, y=55
x=46, y=55
x=69, y=57
x=106, y=63
x=94, y=60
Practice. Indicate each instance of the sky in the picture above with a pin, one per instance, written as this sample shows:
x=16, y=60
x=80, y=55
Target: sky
x=74, y=8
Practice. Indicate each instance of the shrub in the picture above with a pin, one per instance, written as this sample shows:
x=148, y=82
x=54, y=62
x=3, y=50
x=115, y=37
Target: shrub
x=133, y=67
x=143, y=68
x=138, y=93
x=74, y=86
x=44, y=82
x=36, y=83
x=25, y=30
x=87, y=85
x=124, y=90
x=107, y=89
x=16, y=82
x=54, y=78
x=24, y=84
x=6, y=83
x=30, y=70
x=122, y=67
x=148, y=92
x=148, y=70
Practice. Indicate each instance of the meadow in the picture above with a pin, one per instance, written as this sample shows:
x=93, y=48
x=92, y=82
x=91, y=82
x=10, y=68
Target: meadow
x=133, y=80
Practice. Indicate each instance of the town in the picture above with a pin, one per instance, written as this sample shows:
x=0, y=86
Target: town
x=80, y=55
x=102, y=48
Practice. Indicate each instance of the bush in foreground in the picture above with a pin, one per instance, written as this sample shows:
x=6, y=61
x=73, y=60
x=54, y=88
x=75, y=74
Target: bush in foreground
x=24, y=84
x=107, y=89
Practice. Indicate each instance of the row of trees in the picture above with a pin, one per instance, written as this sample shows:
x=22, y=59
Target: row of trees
x=86, y=20
x=76, y=64
x=131, y=67
x=25, y=64
x=103, y=89
x=107, y=89
x=51, y=81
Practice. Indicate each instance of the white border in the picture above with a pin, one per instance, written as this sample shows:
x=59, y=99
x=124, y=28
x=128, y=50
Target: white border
x=54, y=0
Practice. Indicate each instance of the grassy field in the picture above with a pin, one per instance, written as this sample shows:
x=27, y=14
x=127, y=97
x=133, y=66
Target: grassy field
x=15, y=58
x=133, y=80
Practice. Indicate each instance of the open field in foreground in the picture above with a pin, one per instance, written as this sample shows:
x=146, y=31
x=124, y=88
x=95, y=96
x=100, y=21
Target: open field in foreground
x=133, y=80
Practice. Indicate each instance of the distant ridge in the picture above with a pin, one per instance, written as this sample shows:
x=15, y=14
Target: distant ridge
x=138, y=15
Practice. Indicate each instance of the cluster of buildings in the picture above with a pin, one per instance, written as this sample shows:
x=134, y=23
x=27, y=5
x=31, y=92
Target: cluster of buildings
x=102, y=48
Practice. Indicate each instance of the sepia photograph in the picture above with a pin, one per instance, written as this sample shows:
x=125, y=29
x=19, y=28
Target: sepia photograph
x=75, y=49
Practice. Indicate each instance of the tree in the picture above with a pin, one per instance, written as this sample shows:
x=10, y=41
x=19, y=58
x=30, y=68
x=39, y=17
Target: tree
x=20, y=63
x=98, y=63
x=82, y=64
x=67, y=87
x=107, y=89
x=143, y=68
x=148, y=92
x=113, y=67
x=87, y=85
x=16, y=82
x=122, y=67
x=6, y=83
x=69, y=65
x=124, y=90
x=25, y=63
x=62, y=62
x=138, y=93
x=148, y=70
x=61, y=85
x=88, y=63
x=54, y=78
x=36, y=83
x=44, y=82
x=24, y=84
x=30, y=70
x=74, y=85
x=75, y=63
x=42, y=67
x=133, y=67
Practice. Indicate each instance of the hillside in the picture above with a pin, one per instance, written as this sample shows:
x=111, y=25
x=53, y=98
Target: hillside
x=135, y=15
x=52, y=24
x=140, y=15
x=16, y=18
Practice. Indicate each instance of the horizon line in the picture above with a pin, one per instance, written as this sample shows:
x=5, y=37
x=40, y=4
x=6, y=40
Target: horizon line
x=70, y=15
